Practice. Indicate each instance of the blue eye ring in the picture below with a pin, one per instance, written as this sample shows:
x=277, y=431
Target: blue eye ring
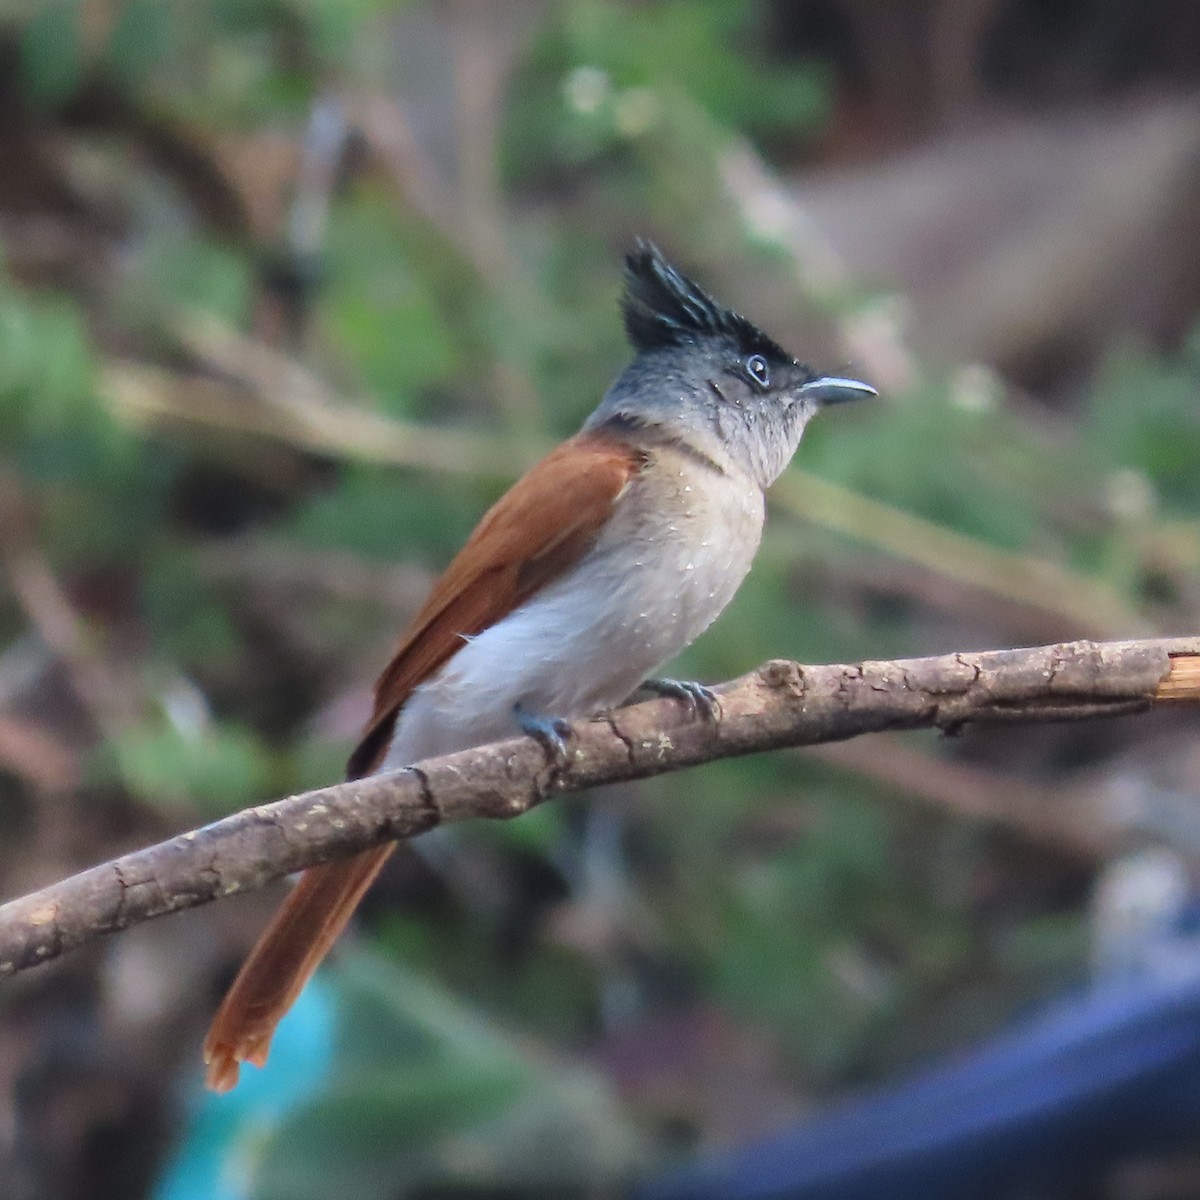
x=757, y=369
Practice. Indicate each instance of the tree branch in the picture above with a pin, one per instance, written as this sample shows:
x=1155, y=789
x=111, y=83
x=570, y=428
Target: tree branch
x=781, y=704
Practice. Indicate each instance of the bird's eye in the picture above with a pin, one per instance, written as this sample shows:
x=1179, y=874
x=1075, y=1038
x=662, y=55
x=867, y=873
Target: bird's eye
x=757, y=369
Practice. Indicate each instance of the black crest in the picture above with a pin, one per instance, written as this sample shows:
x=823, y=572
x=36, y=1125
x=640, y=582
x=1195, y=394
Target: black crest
x=662, y=307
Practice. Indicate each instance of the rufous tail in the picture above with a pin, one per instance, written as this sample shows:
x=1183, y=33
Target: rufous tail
x=289, y=951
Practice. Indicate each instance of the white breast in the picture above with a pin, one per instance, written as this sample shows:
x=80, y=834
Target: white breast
x=679, y=544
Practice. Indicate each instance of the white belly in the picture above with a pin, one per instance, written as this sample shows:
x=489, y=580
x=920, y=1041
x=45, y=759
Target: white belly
x=642, y=593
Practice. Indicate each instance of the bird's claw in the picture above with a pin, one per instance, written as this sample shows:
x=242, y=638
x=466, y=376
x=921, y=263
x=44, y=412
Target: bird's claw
x=699, y=699
x=551, y=732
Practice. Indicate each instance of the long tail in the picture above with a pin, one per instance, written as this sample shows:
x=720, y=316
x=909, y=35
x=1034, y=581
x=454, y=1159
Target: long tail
x=306, y=925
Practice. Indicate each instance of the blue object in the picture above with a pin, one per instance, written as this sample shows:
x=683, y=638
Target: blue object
x=1090, y=1081
x=219, y=1147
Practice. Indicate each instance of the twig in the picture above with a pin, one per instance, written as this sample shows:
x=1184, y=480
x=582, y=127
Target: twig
x=97, y=684
x=1088, y=605
x=274, y=563
x=287, y=403
x=147, y=397
x=36, y=755
x=780, y=704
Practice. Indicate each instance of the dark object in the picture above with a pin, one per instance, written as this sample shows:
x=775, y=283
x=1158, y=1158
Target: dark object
x=1094, y=1080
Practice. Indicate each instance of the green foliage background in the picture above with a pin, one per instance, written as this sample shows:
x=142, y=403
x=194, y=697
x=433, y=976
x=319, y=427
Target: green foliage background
x=237, y=566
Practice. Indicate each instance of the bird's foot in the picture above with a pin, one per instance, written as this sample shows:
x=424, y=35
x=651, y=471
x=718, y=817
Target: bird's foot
x=551, y=732
x=700, y=700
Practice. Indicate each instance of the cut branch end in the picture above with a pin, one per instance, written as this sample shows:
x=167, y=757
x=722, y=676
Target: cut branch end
x=1182, y=682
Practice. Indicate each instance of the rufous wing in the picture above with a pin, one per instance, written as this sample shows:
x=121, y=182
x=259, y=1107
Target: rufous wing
x=533, y=533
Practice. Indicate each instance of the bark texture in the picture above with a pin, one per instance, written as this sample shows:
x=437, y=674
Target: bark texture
x=780, y=704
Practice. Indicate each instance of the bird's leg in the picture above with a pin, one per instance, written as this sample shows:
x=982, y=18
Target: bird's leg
x=551, y=732
x=699, y=699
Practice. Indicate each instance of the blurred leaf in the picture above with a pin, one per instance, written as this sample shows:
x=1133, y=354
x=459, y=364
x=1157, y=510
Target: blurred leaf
x=427, y=1091
x=139, y=39
x=606, y=73
x=188, y=620
x=538, y=831
x=190, y=272
x=218, y=769
x=1039, y=947
x=314, y=763
x=1144, y=416
x=388, y=515
x=929, y=455
x=52, y=52
x=373, y=1133
x=45, y=363
x=706, y=46
x=379, y=310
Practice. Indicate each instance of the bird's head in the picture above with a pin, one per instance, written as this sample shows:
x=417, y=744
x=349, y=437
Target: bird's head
x=707, y=377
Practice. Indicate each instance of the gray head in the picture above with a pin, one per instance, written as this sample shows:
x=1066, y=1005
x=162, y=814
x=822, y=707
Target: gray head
x=707, y=377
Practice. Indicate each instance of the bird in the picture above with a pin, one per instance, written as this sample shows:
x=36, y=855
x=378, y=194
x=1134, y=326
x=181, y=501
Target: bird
x=600, y=564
